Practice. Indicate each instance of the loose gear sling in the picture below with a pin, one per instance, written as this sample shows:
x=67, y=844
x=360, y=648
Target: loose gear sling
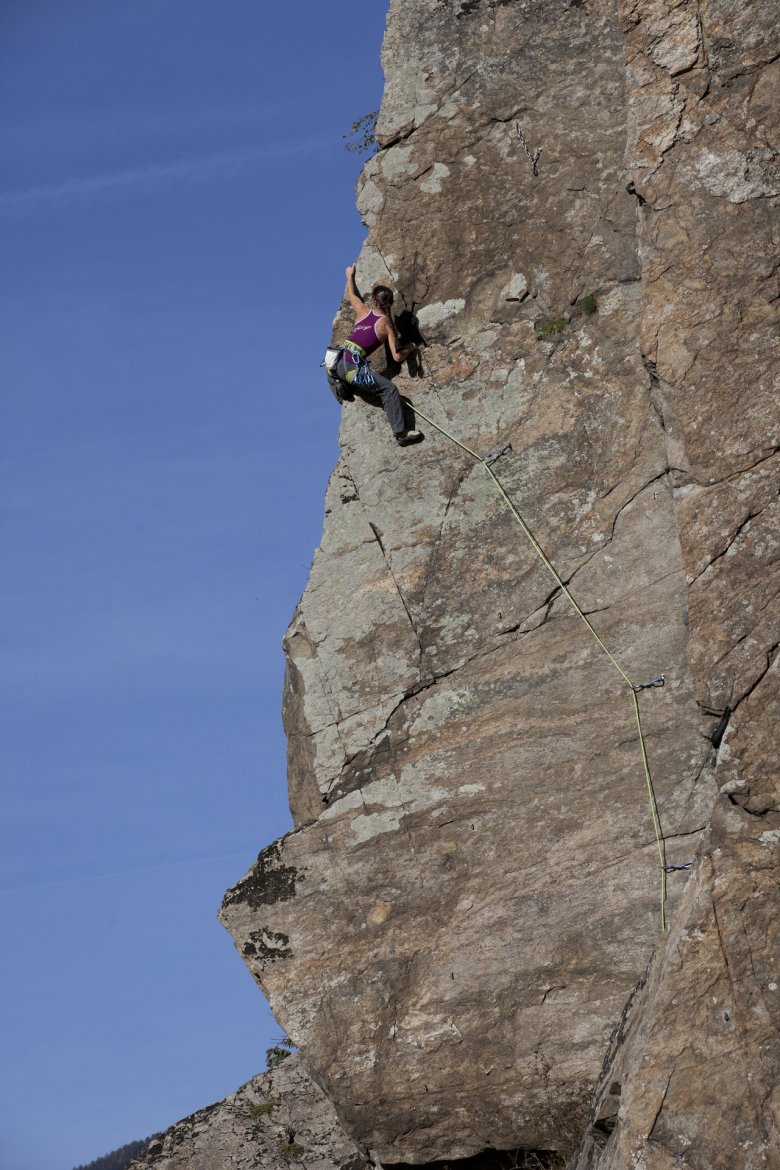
x=359, y=372
x=361, y=343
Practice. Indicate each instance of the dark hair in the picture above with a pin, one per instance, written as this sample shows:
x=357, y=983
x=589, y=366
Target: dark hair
x=382, y=296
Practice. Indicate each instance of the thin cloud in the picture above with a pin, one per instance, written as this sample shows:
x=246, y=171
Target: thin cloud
x=65, y=132
x=122, y=873
x=158, y=176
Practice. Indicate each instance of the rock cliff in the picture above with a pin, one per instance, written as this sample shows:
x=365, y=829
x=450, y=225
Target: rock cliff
x=463, y=932
x=275, y=1120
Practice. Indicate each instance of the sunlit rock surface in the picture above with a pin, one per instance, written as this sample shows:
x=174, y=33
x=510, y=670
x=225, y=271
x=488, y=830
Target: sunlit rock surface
x=695, y=1078
x=472, y=892
x=276, y=1120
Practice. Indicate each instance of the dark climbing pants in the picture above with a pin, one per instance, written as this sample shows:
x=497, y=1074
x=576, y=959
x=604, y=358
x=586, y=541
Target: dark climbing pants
x=385, y=390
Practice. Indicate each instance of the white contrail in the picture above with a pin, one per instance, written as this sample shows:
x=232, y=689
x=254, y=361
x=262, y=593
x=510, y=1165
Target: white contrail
x=143, y=180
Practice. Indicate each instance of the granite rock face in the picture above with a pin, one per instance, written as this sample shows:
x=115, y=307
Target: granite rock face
x=695, y=1073
x=471, y=895
x=276, y=1120
x=694, y=1077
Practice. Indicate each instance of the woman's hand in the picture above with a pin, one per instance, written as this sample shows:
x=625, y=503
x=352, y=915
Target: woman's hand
x=360, y=309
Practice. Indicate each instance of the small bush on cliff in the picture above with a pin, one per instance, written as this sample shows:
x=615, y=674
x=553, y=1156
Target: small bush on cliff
x=291, y=1150
x=279, y=1051
x=589, y=304
x=263, y=1110
x=549, y=328
x=361, y=138
x=541, y=1160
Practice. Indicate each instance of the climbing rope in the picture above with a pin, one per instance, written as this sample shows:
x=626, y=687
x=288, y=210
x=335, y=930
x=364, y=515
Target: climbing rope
x=485, y=461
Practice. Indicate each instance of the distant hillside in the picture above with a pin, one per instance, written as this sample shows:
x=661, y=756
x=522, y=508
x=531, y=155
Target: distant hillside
x=117, y=1159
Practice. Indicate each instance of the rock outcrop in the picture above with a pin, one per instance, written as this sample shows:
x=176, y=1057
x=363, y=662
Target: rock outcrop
x=276, y=1120
x=695, y=1079
x=580, y=202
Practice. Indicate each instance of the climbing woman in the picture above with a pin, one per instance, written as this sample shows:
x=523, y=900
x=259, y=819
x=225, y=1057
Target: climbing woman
x=374, y=327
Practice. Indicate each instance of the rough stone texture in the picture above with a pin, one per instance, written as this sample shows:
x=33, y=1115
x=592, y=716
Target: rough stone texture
x=697, y=1060
x=704, y=94
x=471, y=893
x=694, y=1079
x=277, y=1120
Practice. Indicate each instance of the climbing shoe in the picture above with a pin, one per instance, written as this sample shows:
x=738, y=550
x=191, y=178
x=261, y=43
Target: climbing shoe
x=407, y=437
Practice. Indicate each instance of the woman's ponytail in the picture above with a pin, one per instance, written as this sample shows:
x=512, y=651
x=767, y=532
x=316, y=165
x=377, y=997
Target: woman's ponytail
x=382, y=296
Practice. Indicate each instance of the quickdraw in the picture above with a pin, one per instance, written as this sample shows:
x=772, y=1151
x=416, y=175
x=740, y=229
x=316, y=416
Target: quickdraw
x=361, y=373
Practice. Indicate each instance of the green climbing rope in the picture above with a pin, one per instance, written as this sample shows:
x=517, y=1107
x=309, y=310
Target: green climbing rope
x=564, y=589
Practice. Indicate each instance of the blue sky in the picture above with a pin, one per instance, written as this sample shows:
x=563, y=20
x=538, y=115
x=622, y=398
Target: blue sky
x=177, y=210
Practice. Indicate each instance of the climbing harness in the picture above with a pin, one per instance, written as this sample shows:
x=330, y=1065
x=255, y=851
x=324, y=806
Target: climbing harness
x=361, y=373
x=486, y=462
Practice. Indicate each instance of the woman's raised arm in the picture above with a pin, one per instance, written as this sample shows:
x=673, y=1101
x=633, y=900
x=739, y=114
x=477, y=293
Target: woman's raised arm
x=355, y=299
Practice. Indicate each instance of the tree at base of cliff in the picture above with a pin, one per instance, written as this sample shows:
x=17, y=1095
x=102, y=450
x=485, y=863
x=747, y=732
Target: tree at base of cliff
x=118, y=1159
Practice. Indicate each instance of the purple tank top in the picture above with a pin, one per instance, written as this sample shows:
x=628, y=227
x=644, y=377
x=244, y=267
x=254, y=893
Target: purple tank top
x=364, y=333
